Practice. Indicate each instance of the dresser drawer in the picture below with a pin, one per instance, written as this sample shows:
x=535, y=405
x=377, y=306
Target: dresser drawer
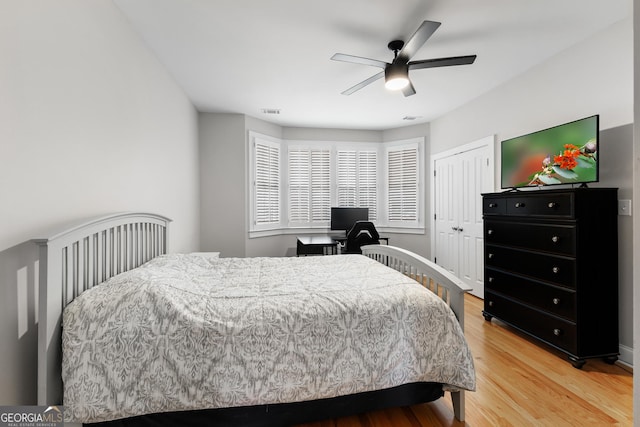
x=560, y=239
x=546, y=205
x=555, y=300
x=494, y=205
x=549, y=268
x=554, y=330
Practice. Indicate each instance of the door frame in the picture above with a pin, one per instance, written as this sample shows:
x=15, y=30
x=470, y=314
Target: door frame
x=482, y=142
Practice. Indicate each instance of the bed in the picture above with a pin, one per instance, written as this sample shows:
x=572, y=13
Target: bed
x=239, y=341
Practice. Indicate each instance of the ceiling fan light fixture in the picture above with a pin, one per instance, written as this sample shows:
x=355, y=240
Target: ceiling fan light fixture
x=396, y=76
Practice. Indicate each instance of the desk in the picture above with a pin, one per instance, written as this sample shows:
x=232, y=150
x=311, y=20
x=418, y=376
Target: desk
x=342, y=240
x=316, y=245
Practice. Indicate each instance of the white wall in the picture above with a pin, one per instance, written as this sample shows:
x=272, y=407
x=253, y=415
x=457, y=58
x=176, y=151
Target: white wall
x=593, y=77
x=90, y=123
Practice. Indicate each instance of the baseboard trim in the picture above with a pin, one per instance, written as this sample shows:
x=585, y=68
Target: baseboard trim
x=626, y=356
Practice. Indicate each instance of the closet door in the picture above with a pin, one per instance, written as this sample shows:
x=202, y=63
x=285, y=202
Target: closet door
x=459, y=181
x=471, y=237
x=447, y=183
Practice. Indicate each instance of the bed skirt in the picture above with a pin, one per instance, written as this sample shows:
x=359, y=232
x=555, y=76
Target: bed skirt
x=288, y=414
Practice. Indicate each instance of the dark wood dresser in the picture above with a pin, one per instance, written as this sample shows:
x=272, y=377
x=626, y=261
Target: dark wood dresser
x=551, y=267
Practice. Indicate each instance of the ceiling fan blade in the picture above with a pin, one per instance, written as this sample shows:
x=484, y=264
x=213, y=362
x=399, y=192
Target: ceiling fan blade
x=364, y=83
x=422, y=34
x=409, y=89
x=442, y=62
x=359, y=60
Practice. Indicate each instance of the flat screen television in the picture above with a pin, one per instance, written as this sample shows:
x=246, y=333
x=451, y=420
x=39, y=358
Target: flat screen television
x=563, y=154
x=344, y=218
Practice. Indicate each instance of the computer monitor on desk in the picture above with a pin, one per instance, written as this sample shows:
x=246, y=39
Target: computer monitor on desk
x=342, y=219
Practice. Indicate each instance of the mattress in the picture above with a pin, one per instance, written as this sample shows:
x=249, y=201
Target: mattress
x=186, y=332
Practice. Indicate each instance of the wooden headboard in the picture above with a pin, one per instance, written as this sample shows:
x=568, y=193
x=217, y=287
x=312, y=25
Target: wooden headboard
x=79, y=258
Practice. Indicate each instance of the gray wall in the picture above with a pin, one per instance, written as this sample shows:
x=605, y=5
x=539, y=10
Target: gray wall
x=569, y=86
x=222, y=183
x=90, y=123
x=224, y=199
x=636, y=209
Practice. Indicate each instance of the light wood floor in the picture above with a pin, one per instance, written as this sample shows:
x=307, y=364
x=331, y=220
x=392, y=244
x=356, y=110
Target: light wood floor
x=519, y=383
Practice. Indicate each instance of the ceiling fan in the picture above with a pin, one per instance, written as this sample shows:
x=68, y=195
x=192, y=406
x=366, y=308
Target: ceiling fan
x=396, y=73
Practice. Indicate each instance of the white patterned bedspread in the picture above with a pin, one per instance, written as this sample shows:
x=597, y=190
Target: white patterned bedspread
x=188, y=332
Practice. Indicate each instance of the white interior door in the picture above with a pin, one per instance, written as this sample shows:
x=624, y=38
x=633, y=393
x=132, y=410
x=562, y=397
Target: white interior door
x=474, y=164
x=459, y=180
x=446, y=214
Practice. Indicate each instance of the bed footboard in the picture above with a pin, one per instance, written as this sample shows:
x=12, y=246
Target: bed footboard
x=435, y=278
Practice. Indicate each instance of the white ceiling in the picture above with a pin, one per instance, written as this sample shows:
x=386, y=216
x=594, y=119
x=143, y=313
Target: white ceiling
x=242, y=56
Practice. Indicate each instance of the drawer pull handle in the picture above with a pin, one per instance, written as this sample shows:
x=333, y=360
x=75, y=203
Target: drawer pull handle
x=555, y=239
x=552, y=204
x=489, y=232
x=556, y=301
x=557, y=332
x=490, y=303
x=493, y=205
x=555, y=269
x=519, y=205
x=490, y=279
x=490, y=256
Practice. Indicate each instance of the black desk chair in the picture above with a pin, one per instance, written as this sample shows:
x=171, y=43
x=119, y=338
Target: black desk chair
x=361, y=234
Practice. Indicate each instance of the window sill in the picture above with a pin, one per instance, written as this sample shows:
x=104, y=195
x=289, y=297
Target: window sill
x=324, y=231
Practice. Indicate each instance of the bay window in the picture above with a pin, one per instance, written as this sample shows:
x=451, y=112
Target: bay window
x=294, y=184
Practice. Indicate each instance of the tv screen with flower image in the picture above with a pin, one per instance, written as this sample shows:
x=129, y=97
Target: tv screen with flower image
x=564, y=154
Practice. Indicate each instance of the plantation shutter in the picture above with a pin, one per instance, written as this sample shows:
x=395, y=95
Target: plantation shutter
x=368, y=182
x=403, y=184
x=309, y=185
x=267, y=183
x=347, y=172
x=357, y=180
